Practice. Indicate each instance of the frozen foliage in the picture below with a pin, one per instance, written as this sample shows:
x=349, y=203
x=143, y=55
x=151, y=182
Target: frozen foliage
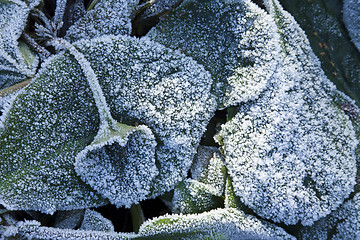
x=57, y=116
x=191, y=196
x=236, y=41
x=17, y=62
x=344, y=223
x=351, y=16
x=291, y=154
x=96, y=222
x=216, y=224
x=208, y=167
x=134, y=88
x=107, y=17
x=69, y=219
x=122, y=171
x=33, y=230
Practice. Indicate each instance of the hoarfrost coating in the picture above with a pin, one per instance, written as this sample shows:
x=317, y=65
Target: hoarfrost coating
x=288, y=156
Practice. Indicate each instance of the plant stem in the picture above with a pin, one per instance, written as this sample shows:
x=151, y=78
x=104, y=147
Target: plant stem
x=137, y=217
x=7, y=91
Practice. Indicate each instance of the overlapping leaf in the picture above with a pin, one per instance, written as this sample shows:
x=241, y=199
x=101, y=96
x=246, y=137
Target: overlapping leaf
x=291, y=154
x=107, y=17
x=55, y=118
x=17, y=62
x=351, y=16
x=234, y=40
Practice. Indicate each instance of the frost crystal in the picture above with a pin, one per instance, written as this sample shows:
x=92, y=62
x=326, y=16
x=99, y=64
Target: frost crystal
x=96, y=222
x=69, y=219
x=17, y=62
x=216, y=224
x=351, y=16
x=291, y=154
x=234, y=40
x=107, y=17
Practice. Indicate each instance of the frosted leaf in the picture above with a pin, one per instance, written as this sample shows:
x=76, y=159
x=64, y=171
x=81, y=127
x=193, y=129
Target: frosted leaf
x=48, y=124
x=236, y=41
x=120, y=169
x=69, y=219
x=191, y=196
x=134, y=88
x=344, y=223
x=96, y=222
x=216, y=224
x=208, y=167
x=291, y=154
x=56, y=117
x=33, y=230
x=17, y=61
x=107, y=17
x=351, y=16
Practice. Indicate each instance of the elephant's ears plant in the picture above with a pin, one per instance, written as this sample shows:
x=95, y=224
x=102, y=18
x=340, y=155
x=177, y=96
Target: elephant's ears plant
x=109, y=118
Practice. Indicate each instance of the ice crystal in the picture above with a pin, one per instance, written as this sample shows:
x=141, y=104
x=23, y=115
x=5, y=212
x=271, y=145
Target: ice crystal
x=216, y=224
x=17, y=62
x=234, y=40
x=107, y=17
x=291, y=154
x=96, y=222
x=351, y=16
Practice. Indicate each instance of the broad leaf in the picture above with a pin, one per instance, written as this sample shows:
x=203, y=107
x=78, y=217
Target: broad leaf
x=291, y=154
x=107, y=17
x=322, y=22
x=234, y=40
x=96, y=222
x=351, y=16
x=344, y=223
x=216, y=224
x=17, y=61
x=191, y=196
x=33, y=230
x=57, y=116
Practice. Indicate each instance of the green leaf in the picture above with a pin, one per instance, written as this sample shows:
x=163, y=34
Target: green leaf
x=291, y=154
x=208, y=167
x=33, y=230
x=234, y=40
x=322, y=22
x=215, y=224
x=107, y=17
x=344, y=223
x=191, y=196
x=58, y=115
x=17, y=61
x=96, y=222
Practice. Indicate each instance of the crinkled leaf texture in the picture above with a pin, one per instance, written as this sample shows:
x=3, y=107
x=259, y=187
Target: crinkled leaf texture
x=234, y=40
x=227, y=223
x=94, y=221
x=291, y=154
x=17, y=61
x=55, y=118
x=351, y=16
x=107, y=17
